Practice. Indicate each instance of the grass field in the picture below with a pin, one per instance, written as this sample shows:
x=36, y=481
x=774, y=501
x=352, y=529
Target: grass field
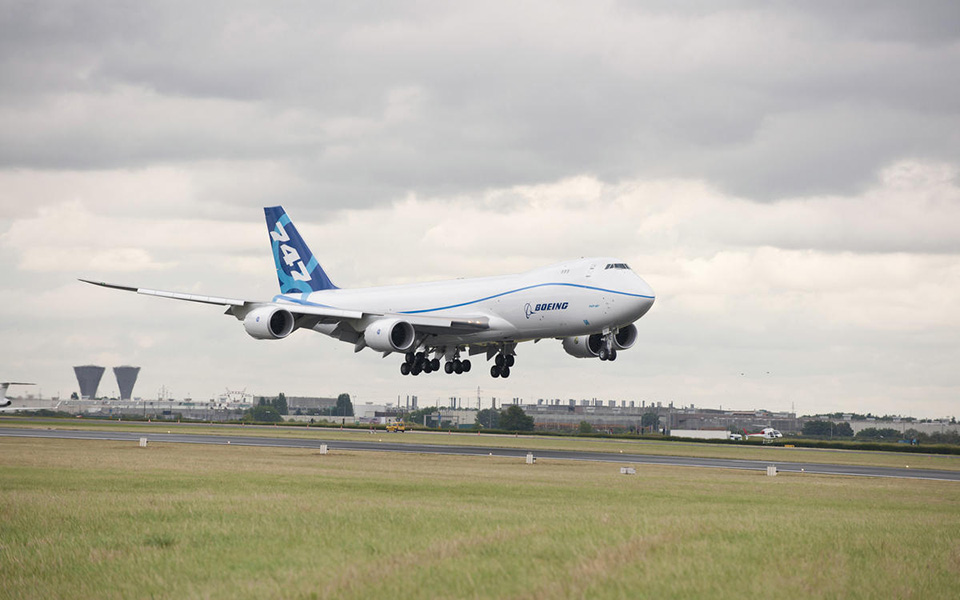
x=751, y=451
x=112, y=520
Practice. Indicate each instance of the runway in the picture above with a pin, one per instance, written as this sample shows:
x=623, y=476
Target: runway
x=377, y=446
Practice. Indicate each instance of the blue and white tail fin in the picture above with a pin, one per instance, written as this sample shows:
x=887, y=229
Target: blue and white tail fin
x=297, y=268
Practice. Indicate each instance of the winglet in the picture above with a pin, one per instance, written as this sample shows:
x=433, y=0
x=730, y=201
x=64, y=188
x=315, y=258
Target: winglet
x=297, y=268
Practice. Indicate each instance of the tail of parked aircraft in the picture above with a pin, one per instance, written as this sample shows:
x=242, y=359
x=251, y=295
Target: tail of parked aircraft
x=297, y=268
x=4, y=386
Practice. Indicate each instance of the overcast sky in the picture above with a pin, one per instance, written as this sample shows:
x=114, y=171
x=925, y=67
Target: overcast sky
x=785, y=175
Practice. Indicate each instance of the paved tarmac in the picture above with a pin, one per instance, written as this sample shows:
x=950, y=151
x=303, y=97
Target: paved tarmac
x=377, y=446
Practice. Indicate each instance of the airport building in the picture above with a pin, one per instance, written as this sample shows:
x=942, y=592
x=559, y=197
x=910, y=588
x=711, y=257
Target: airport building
x=309, y=403
x=88, y=376
x=624, y=415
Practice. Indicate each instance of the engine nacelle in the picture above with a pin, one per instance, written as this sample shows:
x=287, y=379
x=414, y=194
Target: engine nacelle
x=626, y=337
x=269, y=323
x=583, y=346
x=390, y=335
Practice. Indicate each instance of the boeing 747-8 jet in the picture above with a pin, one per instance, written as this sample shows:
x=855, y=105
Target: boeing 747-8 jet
x=590, y=304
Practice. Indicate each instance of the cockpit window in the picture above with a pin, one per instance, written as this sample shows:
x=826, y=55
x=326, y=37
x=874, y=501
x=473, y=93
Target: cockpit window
x=616, y=266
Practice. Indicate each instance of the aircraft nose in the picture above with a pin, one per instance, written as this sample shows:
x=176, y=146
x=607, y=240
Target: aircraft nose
x=645, y=296
x=643, y=289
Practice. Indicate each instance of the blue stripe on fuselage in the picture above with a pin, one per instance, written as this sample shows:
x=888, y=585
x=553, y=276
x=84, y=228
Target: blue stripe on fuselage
x=529, y=287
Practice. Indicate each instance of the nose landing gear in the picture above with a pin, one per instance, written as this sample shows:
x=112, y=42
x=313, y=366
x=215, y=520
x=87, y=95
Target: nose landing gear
x=607, y=350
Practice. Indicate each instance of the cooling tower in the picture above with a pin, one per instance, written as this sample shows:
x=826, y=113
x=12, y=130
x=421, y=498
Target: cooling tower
x=126, y=378
x=88, y=376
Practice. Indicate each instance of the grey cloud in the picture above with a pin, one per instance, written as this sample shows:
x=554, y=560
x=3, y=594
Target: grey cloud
x=765, y=102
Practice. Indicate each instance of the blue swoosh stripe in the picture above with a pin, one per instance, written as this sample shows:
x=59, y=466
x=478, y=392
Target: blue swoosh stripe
x=529, y=287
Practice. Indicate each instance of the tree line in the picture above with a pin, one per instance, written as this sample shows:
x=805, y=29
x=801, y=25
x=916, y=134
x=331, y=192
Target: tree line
x=827, y=429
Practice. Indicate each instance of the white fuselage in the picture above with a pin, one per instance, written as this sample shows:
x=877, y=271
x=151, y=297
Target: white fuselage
x=573, y=298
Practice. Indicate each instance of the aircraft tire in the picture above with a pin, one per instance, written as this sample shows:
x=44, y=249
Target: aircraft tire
x=466, y=365
x=603, y=355
x=500, y=360
x=495, y=371
x=613, y=355
x=404, y=368
x=415, y=370
x=510, y=360
x=410, y=357
x=448, y=367
x=505, y=372
x=435, y=364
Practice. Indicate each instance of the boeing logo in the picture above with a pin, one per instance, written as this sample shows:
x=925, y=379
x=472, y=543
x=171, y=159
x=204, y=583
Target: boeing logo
x=529, y=309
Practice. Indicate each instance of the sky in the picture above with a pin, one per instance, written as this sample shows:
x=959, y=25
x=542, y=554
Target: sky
x=786, y=176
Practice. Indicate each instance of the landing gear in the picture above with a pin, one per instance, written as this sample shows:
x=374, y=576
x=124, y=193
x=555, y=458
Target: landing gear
x=457, y=366
x=418, y=362
x=607, y=350
x=502, y=363
x=415, y=363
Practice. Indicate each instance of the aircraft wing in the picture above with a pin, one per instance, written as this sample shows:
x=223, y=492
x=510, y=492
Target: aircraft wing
x=173, y=295
x=237, y=307
x=317, y=314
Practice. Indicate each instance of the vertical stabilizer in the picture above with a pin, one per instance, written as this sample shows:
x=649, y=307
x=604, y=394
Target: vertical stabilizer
x=297, y=268
x=4, y=386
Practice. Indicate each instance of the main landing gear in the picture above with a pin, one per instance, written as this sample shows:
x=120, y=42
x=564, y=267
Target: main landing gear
x=502, y=364
x=456, y=366
x=418, y=362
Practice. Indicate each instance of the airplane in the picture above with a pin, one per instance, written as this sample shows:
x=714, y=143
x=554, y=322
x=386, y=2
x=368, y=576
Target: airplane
x=590, y=304
x=6, y=402
x=767, y=433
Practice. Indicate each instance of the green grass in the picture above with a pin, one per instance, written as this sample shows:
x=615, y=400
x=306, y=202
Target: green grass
x=745, y=451
x=112, y=520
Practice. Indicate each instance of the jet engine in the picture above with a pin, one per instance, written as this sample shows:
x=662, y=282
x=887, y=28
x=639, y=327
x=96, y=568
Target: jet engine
x=390, y=335
x=626, y=337
x=583, y=346
x=269, y=323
